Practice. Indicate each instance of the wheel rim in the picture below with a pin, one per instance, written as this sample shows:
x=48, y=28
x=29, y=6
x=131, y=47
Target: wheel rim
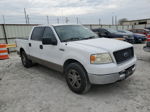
x=74, y=78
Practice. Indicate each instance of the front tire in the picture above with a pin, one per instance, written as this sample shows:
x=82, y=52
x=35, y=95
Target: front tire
x=76, y=78
x=25, y=61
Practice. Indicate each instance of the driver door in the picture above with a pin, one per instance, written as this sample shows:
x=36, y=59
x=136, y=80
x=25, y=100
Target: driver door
x=51, y=55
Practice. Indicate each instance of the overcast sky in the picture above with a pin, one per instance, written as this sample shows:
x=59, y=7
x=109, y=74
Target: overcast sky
x=88, y=11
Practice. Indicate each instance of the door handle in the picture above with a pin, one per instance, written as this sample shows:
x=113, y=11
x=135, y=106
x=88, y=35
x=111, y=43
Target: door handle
x=29, y=44
x=41, y=46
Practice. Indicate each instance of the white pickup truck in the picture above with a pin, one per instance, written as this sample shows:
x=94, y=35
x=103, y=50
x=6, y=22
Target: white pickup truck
x=79, y=53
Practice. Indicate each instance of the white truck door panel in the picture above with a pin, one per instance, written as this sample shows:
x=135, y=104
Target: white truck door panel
x=34, y=49
x=51, y=53
x=35, y=42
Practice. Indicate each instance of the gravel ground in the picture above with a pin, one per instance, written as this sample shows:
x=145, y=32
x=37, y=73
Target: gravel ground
x=40, y=89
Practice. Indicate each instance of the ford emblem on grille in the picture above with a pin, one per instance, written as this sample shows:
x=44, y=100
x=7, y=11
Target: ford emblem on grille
x=125, y=54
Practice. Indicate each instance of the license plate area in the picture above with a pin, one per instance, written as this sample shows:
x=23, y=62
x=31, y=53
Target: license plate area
x=129, y=71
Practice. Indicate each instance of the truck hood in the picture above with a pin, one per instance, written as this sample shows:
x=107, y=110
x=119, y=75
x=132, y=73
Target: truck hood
x=104, y=44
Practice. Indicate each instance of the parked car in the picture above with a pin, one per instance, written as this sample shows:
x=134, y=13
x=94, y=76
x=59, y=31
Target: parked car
x=147, y=28
x=141, y=31
x=80, y=54
x=113, y=34
x=147, y=47
x=138, y=38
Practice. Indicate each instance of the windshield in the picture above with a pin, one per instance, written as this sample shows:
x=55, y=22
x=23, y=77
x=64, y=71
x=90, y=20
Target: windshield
x=125, y=31
x=74, y=32
x=112, y=30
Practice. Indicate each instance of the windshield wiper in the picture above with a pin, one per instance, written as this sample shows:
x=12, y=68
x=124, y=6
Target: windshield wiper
x=91, y=37
x=71, y=39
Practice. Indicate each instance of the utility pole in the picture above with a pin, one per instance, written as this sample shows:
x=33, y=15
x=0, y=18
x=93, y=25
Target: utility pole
x=3, y=19
x=77, y=20
x=67, y=20
x=25, y=15
x=28, y=19
x=99, y=21
x=112, y=20
x=57, y=20
x=116, y=20
x=47, y=20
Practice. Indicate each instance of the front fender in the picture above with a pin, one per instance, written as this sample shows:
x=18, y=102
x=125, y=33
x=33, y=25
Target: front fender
x=81, y=58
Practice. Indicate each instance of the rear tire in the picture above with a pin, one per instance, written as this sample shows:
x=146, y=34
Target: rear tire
x=25, y=61
x=76, y=78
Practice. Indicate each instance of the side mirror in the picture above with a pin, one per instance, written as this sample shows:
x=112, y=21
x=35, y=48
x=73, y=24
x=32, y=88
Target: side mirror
x=49, y=41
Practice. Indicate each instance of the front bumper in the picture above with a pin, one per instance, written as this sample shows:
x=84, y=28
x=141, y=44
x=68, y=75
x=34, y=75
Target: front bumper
x=113, y=77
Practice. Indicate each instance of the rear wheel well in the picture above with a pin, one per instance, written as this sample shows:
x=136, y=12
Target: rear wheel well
x=20, y=52
x=21, y=49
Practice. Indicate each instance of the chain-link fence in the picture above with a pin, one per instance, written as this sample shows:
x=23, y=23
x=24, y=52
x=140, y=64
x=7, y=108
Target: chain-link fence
x=9, y=32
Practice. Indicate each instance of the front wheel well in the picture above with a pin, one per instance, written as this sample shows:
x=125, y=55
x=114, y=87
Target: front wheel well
x=69, y=61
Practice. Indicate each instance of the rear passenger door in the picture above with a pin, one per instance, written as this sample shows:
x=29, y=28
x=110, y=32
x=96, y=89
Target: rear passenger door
x=35, y=42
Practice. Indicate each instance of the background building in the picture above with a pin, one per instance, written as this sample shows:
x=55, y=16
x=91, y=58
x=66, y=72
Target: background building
x=136, y=22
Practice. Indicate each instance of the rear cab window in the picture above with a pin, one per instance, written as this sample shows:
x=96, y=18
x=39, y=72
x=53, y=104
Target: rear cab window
x=42, y=32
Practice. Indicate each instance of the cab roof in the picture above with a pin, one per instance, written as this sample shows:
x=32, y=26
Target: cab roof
x=57, y=25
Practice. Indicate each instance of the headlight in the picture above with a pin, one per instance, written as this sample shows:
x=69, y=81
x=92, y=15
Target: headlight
x=100, y=58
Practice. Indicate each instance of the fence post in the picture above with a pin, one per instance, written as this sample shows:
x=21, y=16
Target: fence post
x=90, y=26
x=4, y=31
x=116, y=27
x=5, y=35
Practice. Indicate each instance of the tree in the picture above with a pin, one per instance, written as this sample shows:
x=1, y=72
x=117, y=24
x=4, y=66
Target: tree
x=122, y=20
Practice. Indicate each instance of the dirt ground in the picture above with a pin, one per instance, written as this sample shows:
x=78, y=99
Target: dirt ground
x=40, y=89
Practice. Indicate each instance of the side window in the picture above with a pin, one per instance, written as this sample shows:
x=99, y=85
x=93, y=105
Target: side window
x=48, y=33
x=103, y=32
x=37, y=33
x=96, y=31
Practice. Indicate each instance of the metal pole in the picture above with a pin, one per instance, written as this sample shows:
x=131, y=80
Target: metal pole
x=67, y=20
x=5, y=35
x=116, y=20
x=3, y=19
x=47, y=20
x=99, y=21
x=112, y=20
x=28, y=19
x=25, y=15
x=77, y=20
x=57, y=20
